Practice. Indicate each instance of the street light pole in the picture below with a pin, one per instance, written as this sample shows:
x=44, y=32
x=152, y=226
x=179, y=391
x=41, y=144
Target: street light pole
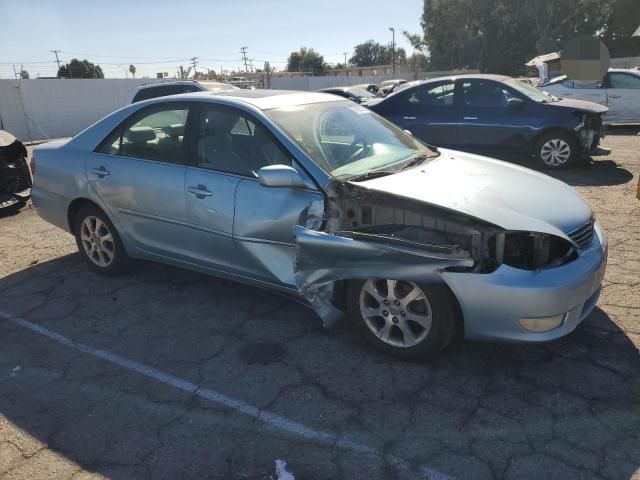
x=393, y=49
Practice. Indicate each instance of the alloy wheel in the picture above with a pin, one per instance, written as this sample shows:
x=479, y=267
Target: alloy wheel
x=97, y=241
x=555, y=152
x=397, y=312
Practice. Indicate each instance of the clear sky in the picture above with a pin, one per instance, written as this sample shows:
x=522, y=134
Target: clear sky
x=159, y=35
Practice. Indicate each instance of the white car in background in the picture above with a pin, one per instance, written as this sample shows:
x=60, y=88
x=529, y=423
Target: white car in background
x=619, y=90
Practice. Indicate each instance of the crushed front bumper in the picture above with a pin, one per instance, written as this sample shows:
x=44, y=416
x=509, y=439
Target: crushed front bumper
x=492, y=304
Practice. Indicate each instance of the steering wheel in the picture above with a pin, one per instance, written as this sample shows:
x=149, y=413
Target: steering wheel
x=360, y=151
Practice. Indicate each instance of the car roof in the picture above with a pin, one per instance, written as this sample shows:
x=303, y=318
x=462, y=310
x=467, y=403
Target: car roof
x=163, y=83
x=262, y=99
x=332, y=89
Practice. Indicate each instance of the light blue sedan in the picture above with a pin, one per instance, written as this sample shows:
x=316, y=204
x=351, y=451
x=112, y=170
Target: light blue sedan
x=324, y=200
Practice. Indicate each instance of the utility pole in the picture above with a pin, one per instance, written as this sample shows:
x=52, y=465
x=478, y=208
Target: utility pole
x=345, y=59
x=56, y=52
x=393, y=49
x=243, y=50
x=194, y=63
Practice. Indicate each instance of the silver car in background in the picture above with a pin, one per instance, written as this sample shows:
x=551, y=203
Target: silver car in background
x=324, y=200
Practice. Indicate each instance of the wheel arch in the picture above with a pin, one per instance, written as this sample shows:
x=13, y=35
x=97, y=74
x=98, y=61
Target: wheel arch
x=548, y=130
x=340, y=299
x=75, y=206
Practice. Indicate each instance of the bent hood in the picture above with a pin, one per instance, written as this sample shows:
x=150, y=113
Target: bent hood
x=506, y=195
x=582, y=105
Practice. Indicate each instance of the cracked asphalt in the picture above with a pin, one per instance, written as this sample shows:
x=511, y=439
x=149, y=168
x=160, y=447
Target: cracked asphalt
x=564, y=410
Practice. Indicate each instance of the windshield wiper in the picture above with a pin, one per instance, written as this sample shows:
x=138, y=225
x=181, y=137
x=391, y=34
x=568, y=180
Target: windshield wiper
x=370, y=175
x=415, y=161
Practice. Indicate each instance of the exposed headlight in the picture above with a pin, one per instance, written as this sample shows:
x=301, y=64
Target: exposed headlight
x=542, y=324
x=531, y=250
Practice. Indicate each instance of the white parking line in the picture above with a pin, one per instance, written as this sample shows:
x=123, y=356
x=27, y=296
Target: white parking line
x=277, y=421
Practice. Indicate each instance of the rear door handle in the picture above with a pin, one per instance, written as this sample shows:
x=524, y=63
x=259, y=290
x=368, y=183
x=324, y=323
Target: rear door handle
x=409, y=118
x=100, y=171
x=470, y=118
x=614, y=96
x=199, y=191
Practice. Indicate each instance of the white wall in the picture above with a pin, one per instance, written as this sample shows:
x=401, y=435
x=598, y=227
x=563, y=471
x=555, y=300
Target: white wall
x=41, y=108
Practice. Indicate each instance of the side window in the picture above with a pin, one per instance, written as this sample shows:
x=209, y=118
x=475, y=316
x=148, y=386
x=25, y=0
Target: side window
x=144, y=94
x=190, y=88
x=623, y=80
x=438, y=96
x=154, y=135
x=230, y=141
x=484, y=94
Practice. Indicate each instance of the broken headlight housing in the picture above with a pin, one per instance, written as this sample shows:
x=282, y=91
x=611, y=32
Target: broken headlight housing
x=531, y=250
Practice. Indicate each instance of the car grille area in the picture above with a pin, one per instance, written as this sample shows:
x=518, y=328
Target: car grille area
x=583, y=236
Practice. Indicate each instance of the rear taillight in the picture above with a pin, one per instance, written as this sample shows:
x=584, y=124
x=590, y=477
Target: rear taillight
x=32, y=165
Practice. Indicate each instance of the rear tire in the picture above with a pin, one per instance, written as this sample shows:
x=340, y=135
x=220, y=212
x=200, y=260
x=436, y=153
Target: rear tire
x=98, y=242
x=556, y=150
x=403, y=319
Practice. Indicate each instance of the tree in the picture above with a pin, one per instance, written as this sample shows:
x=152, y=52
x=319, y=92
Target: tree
x=499, y=36
x=621, y=22
x=306, y=60
x=371, y=53
x=184, y=73
x=80, y=69
x=132, y=70
x=24, y=74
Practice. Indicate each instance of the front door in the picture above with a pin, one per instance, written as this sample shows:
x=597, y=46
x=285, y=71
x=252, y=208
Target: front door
x=623, y=97
x=138, y=172
x=486, y=123
x=239, y=225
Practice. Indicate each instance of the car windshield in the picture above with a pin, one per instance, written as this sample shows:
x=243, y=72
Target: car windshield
x=532, y=92
x=362, y=93
x=347, y=140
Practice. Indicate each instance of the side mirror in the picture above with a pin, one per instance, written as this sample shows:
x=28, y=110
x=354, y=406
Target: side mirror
x=280, y=176
x=515, y=103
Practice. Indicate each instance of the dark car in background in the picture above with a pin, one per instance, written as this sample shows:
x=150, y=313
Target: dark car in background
x=176, y=87
x=497, y=116
x=15, y=179
x=355, y=93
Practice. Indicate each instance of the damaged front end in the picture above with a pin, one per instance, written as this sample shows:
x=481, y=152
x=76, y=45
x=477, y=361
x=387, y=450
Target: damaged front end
x=15, y=179
x=370, y=234
x=590, y=132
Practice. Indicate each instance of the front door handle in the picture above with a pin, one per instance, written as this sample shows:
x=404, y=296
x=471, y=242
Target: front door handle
x=614, y=96
x=100, y=171
x=409, y=118
x=470, y=118
x=199, y=191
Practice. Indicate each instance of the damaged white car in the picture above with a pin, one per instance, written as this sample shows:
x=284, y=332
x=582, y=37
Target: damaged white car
x=326, y=201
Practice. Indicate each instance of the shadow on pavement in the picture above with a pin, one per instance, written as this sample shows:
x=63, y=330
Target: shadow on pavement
x=567, y=409
x=596, y=173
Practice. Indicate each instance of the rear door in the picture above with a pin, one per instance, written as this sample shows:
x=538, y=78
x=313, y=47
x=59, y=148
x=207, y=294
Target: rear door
x=138, y=173
x=428, y=111
x=623, y=97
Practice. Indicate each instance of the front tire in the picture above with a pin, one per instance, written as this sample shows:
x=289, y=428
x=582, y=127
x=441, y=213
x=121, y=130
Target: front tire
x=556, y=150
x=403, y=319
x=98, y=242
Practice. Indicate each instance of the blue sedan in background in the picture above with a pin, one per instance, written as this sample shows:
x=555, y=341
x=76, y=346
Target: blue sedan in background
x=498, y=116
